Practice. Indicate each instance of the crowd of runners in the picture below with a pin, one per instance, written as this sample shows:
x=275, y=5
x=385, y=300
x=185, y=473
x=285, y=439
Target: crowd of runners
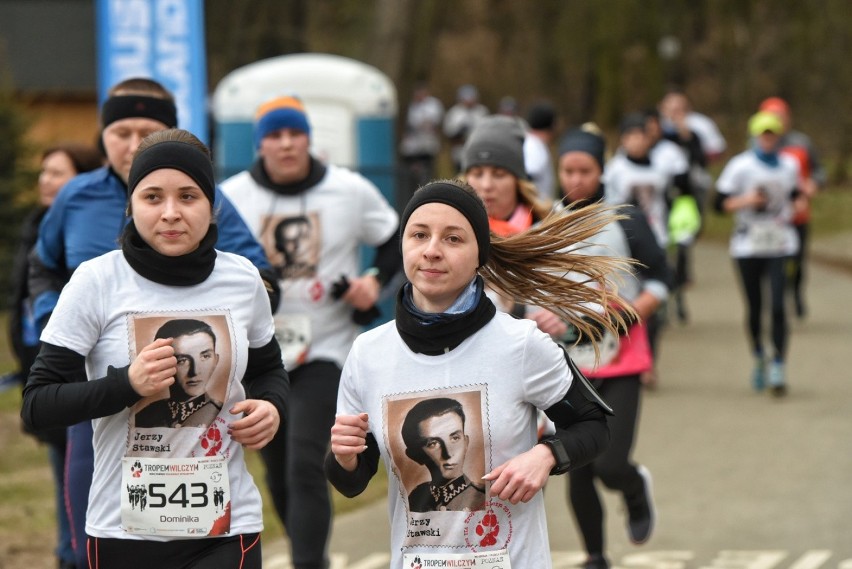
x=165, y=321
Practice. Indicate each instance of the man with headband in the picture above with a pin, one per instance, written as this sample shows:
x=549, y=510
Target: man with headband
x=85, y=222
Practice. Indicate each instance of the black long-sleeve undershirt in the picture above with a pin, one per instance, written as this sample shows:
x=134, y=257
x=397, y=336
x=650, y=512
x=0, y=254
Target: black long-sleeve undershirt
x=388, y=258
x=266, y=378
x=350, y=484
x=580, y=423
x=58, y=393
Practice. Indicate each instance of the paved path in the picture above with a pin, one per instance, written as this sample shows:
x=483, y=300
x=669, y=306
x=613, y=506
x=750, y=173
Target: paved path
x=742, y=480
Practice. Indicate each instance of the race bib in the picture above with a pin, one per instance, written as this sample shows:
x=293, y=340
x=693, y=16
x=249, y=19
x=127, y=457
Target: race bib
x=767, y=237
x=584, y=355
x=485, y=559
x=293, y=332
x=175, y=497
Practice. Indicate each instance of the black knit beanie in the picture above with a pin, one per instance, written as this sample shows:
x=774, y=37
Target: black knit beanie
x=633, y=121
x=496, y=141
x=578, y=140
x=541, y=116
x=454, y=196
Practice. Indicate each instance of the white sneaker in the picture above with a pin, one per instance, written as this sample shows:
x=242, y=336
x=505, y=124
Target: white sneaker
x=641, y=513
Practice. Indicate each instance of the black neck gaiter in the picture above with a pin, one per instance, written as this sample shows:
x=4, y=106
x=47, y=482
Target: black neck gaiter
x=183, y=270
x=438, y=337
x=315, y=174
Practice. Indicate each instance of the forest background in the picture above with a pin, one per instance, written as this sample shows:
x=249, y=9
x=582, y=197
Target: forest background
x=594, y=59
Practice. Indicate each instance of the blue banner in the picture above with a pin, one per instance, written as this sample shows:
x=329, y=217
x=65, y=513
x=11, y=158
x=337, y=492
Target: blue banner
x=161, y=40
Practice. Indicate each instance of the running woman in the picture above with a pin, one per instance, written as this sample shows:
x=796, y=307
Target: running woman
x=449, y=342
x=759, y=186
x=165, y=496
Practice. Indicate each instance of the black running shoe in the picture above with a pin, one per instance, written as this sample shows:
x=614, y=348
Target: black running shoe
x=596, y=561
x=640, y=510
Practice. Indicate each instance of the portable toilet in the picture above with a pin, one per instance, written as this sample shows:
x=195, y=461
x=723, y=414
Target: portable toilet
x=351, y=107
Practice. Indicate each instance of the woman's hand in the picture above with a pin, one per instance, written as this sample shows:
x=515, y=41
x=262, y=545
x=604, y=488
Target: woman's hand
x=363, y=292
x=257, y=426
x=520, y=478
x=549, y=323
x=154, y=368
x=349, y=439
x=754, y=198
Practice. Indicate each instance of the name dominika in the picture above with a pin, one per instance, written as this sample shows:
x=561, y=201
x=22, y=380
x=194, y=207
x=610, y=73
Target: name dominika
x=177, y=519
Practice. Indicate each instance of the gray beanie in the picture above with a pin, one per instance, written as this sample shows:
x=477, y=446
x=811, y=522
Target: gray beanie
x=496, y=141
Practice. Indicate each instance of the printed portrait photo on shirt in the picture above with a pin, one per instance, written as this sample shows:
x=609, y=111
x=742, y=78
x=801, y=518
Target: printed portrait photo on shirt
x=292, y=244
x=203, y=349
x=438, y=450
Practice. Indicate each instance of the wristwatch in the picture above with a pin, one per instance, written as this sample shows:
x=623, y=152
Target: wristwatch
x=563, y=461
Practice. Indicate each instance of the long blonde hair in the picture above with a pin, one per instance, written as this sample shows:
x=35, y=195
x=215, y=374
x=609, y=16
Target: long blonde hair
x=528, y=194
x=532, y=267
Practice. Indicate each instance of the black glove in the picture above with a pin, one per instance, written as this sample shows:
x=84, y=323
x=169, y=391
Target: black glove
x=270, y=281
x=359, y=317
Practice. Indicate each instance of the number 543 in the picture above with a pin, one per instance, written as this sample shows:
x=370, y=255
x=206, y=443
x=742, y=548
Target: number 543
x=193, y=497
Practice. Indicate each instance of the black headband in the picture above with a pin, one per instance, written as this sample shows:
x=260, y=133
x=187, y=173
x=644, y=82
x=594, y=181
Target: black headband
x=178, y=155
x=467, y=204
x=120, y=107
x=578, y=140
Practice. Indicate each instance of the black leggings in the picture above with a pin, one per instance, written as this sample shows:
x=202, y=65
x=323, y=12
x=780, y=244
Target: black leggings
x=234, y=552
x=797, y=262
x=754, y=272
x=614, y=467
x=294, y=462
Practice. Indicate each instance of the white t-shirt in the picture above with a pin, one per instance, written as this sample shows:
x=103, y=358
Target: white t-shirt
x=501, y=375
x=108, y=313
x=324, y=227
x=539, y=165
x=669, y=158
x=767, y=233
x=643, y=185
x=712, y=141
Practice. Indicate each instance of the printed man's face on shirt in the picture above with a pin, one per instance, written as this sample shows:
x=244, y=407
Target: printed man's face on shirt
x=196, y=360
x=445, y=445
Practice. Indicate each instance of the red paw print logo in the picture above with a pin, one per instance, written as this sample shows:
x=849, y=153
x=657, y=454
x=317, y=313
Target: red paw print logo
x=488, y=529
x=136, y=469
x=316, y=291
x=212, y=441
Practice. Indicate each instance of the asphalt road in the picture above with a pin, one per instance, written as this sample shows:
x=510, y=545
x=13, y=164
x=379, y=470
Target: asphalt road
x=742, y=480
